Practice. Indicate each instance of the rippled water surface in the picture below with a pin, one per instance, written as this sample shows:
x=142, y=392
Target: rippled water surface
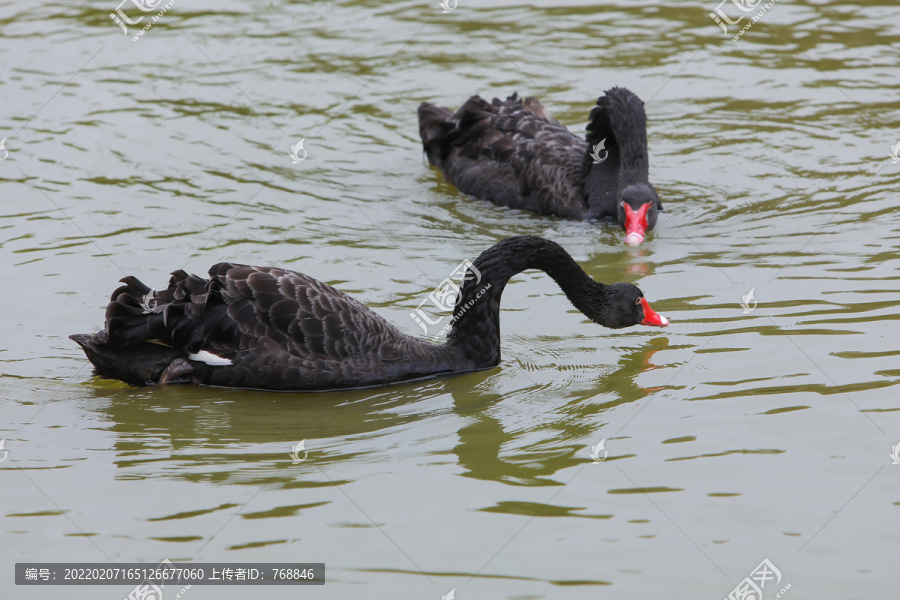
x=732, y=436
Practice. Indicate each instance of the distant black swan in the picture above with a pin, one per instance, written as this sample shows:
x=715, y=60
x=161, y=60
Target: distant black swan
x=269, y=328
x=514, y=154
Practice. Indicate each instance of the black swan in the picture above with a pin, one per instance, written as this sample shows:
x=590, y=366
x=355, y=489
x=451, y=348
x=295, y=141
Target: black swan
x=514, y=154
x=269, y=328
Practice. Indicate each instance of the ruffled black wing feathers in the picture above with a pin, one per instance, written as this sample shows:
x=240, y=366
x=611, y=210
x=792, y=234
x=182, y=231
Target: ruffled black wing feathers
x=188, y=315
x=511, y=153
x=239, y=305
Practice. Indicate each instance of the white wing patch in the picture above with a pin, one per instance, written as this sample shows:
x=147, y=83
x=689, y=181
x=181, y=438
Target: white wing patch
x=209, y=358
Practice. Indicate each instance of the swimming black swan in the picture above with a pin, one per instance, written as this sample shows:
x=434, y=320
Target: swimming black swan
x=514, y=154
x=269, y=328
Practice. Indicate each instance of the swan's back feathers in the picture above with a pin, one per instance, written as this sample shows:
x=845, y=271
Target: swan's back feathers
x=509, y=152
x=527, y=117
x=290, y=309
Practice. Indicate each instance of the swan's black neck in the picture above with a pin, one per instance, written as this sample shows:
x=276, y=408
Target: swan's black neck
x=620, y=119
x=475, y=334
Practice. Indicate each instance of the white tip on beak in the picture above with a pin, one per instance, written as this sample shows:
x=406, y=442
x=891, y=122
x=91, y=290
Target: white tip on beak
x=634, y=239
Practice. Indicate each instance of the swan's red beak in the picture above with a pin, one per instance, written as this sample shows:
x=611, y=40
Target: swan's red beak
x=651, y=317
x=635, y=224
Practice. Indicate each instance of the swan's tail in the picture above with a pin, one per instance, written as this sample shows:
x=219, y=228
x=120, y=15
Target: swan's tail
x=149, y=334
x=468, y=129
x=179, y=316
x=139, y=364
x=434, y=127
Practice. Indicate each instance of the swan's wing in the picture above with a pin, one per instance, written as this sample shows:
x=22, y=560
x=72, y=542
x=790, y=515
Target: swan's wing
x=548, y=161
x=285, y=309
x=512, y=153
x=469, y=150
x=263, y=310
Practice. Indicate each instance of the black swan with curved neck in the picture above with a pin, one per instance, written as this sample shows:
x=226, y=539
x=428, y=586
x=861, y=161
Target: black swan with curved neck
x=514, y=154
x=269, y=328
